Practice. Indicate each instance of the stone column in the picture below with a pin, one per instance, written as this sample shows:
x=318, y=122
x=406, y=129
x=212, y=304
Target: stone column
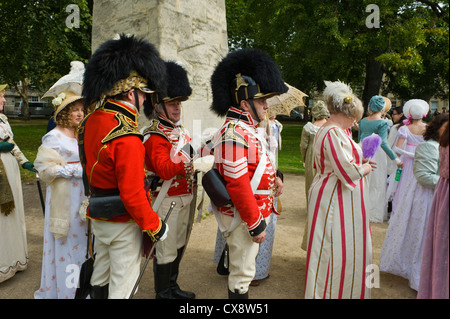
x=193, y=32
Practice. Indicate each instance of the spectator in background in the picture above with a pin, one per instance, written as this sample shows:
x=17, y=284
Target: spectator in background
x=397, y=253
x=274, y=129
x=320, y=115
x=409, y=136
x=385, y=115
x=264, y=257
x=374, y=123
x=51, y=124
x=14, y=251
x=397, y=119
x=434, y=281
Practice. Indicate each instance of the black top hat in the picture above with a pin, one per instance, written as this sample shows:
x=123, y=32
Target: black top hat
x=243, y=75
x=119, y=65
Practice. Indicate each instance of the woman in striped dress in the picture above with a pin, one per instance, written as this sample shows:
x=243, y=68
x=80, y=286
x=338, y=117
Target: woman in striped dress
x=339, y=237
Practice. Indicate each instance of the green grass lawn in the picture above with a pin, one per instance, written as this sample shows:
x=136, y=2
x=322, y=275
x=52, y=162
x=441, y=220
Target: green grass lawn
x=289, y=158
x=28, y=135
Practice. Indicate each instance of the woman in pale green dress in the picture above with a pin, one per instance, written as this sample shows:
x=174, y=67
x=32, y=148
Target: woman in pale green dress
x=320, y=114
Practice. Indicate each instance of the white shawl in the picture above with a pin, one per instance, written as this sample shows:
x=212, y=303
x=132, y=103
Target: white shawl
x=48, y=162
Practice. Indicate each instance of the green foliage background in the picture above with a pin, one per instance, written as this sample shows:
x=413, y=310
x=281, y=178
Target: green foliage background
x=317, y=40
x=37, y=46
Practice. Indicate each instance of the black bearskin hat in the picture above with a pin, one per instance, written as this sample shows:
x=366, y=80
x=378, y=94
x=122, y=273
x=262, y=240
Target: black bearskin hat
x=178, y=87
x=120, y=65
x=242, y=75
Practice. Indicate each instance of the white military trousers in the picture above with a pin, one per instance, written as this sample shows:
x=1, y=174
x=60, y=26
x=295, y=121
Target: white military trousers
x=167, y=250
x=242, y=255
x=118, y=257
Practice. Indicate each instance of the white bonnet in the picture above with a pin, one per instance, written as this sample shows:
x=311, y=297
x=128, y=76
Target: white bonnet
x=415, y=109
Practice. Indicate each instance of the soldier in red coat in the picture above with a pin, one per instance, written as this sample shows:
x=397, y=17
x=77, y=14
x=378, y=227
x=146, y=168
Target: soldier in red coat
x=241, y=83
x=169, y=156
x=118, y=78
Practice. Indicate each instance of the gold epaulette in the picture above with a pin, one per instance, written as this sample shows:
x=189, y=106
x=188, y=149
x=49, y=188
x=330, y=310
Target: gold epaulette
x=122, y=129
x=154, y=129
x=230, y=135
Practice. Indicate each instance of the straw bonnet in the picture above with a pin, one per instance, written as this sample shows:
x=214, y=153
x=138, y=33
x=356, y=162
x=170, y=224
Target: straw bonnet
x=63, y=99
x=388, y=104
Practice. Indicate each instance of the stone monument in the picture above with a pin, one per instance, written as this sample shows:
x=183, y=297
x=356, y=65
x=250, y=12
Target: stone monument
x=192, y=32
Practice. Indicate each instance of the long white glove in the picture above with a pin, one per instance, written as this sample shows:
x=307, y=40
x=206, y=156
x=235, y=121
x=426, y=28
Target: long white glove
x=403, y=152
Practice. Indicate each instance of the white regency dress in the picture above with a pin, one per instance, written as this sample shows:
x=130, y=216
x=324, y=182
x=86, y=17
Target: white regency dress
x=62, y=258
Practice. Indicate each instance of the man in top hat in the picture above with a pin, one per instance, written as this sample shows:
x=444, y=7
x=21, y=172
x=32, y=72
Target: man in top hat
x=169, y=156
x=241, y=83
x=118, y=78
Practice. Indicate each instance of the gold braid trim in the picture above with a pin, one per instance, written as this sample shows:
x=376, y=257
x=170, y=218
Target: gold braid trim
x=127, y=121
x=154, y=128
x=122, y=129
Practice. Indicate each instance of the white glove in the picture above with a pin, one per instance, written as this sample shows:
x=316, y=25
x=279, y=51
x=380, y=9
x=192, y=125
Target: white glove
x=164, y=236
x=403, y=152
x=70, y=170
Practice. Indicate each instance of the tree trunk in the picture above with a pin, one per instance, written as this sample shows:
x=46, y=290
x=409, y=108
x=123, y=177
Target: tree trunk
x=23, y=92
x=372, y=84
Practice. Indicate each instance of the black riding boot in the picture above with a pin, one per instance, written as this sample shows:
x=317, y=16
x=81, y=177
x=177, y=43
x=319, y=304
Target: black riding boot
x=162, y=280
x=177, y=293
x=99, y=292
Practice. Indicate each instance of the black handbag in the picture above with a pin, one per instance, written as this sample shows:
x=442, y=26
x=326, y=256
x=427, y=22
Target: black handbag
x=215, y=186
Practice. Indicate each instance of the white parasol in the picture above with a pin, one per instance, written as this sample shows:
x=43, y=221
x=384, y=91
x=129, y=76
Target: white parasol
x=69, y=82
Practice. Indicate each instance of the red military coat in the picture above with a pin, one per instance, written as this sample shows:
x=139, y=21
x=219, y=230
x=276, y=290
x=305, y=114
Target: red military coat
x=115, y=161
x=237, y=153
x=166, y=157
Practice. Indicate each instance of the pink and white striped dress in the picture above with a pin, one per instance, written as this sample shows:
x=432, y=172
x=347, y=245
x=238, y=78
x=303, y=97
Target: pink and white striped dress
x=339, y=235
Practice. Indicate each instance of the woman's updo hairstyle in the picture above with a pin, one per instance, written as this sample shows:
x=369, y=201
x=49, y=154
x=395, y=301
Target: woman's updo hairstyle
x=340, y=99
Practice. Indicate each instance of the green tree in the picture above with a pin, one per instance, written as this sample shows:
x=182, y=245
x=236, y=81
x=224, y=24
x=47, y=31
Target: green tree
x=37, y=42
x=417, y=61
x=317, y=40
